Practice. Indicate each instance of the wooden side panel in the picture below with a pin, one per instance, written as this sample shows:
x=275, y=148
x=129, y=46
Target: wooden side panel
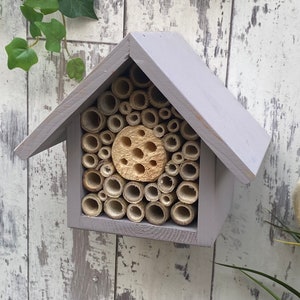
x=264, y=77
x=64, y=263
x=13, y=172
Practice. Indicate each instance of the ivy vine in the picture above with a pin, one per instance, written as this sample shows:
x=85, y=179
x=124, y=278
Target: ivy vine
x=20, y=54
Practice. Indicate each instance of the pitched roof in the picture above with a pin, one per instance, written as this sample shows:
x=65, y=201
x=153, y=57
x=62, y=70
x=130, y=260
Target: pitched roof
x=178, y=72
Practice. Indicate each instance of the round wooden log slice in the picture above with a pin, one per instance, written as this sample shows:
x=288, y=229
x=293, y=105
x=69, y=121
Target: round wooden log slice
x=138, y=155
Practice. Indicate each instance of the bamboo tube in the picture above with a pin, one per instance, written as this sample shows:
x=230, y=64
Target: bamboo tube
x=189, y=170
x=104, y=152
x=175, y=113
x=191, y=150
x=133, y=192
x=107, y=103
x=91, y=205
x=152, y=193
x=183, y=214
x=122, y=87
x=172, y=142
x=115, y=208
x=139, y=100
x=160, y=130
x=156, y=98
x=164, y=113
x=90, y=160
x=166, y=183
x=116, y=123
x=138, y=77
x=171, y=168
x=136, y=212
x=92, y=120
x=188, y=132
x=113, y=185
x=107, y=137
x=177, y=158
x=92, y=180
x=90, y=142
x=125, y=108
x=187, y=192
x=133, y=118
x=156, y=213
x=296, y=201
x=107, y=169
x=102, y=195
x=167, y=199
x=150, y=117
x=173, y=125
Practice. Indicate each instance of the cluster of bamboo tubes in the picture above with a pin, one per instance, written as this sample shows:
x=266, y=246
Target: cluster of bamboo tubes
x=141, y=158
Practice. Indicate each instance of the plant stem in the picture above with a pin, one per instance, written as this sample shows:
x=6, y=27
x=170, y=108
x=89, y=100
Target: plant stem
x=65, y=38
x=34, y=43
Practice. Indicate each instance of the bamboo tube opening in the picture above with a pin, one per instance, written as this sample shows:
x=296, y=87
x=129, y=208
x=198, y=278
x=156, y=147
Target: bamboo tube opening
x=133, y=192
x=188, y=192
x=133, y=118
x=156, y=98
x=122, y=87
x=125, y=108
x=156, y=213
x=188, y=132
x=177, y=157
x=182, y=214
x=171, y=168
x=139, y=100
x=102, y=195
x=191, y=150
x=160, y=130
x=136, y=212
x=115, y=208
x=90, y=142
x=107, y=169
x=113, y=185
x=91, y=205
x=166, y=183
x=149, y=117
x=115, y=123
x=173, y=125
x=175, y=113
x=172, y=142
x=104, y=152
x=107, y=137
x=164, y=113
x=138, y=77
x=167, y=199
x=92, y=120
x=152, y=193
x=189, y=170
x=90, y=160
x=92, y=180
x=107, y=103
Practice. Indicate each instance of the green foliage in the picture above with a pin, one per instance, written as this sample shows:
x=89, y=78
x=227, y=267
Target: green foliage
x=21, y=55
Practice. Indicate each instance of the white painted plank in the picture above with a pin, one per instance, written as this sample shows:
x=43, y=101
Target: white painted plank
x=13, y=175
x=264, y=74
x=158, y=270
x=64, y=263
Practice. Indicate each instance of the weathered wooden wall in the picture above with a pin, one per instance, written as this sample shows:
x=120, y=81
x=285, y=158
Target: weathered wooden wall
x=254, y=47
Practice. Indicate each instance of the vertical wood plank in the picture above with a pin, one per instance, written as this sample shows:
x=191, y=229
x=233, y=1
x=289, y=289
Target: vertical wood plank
x=158, y=270
x=13, y=175
x=264, y=75
x=64, y=263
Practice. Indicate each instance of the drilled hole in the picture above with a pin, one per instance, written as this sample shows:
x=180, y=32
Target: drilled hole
x=137, y=152
x=140, y=169
x=153, y=163
x=150, y=146
x=124, y=161
x=141, y=132
x=126, y=141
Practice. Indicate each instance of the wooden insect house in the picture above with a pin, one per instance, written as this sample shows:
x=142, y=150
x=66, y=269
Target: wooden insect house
x=154, y=143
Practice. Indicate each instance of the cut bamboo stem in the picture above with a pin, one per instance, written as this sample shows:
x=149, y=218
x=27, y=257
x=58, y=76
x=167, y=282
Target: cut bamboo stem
x=160, y=130
x=107, y=169
x=92, y=180
x=175, y=113
x=107, y=137
x=183, y=214
x=173, y=125
x=125, y=108
x=107, y=103
x=136, y=212
x=188, y=132
x=116, y=123
x=133, y=192
x=134, y=118
x=166, y=183
x=91, y=205
x=113, y=185
x=90, y=160
x=150, y=117
x=104, y=152
x=92, y=120
x=90, y=142
x=156, y=213
x=189, y=170
x=122, y=87
x=167, y=199
x=177, y=158
x=172, y=142
x=191, y=150
x=164, y=113
x=152, y=193
x=115, y=208
x=188, y=192
x=138, y=77
x=156, y=98
x=102, y=196
x=139, y=100
x=171, y=168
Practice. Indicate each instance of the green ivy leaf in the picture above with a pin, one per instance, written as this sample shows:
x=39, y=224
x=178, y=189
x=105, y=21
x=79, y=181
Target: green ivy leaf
x=20, y=55
x=77, y=8
x=54, y=32
x=76, y=68
x=32, y=16
x=46, y=6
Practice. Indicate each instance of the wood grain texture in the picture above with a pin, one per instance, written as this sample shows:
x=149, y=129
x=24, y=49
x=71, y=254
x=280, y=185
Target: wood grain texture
x=13, y=175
